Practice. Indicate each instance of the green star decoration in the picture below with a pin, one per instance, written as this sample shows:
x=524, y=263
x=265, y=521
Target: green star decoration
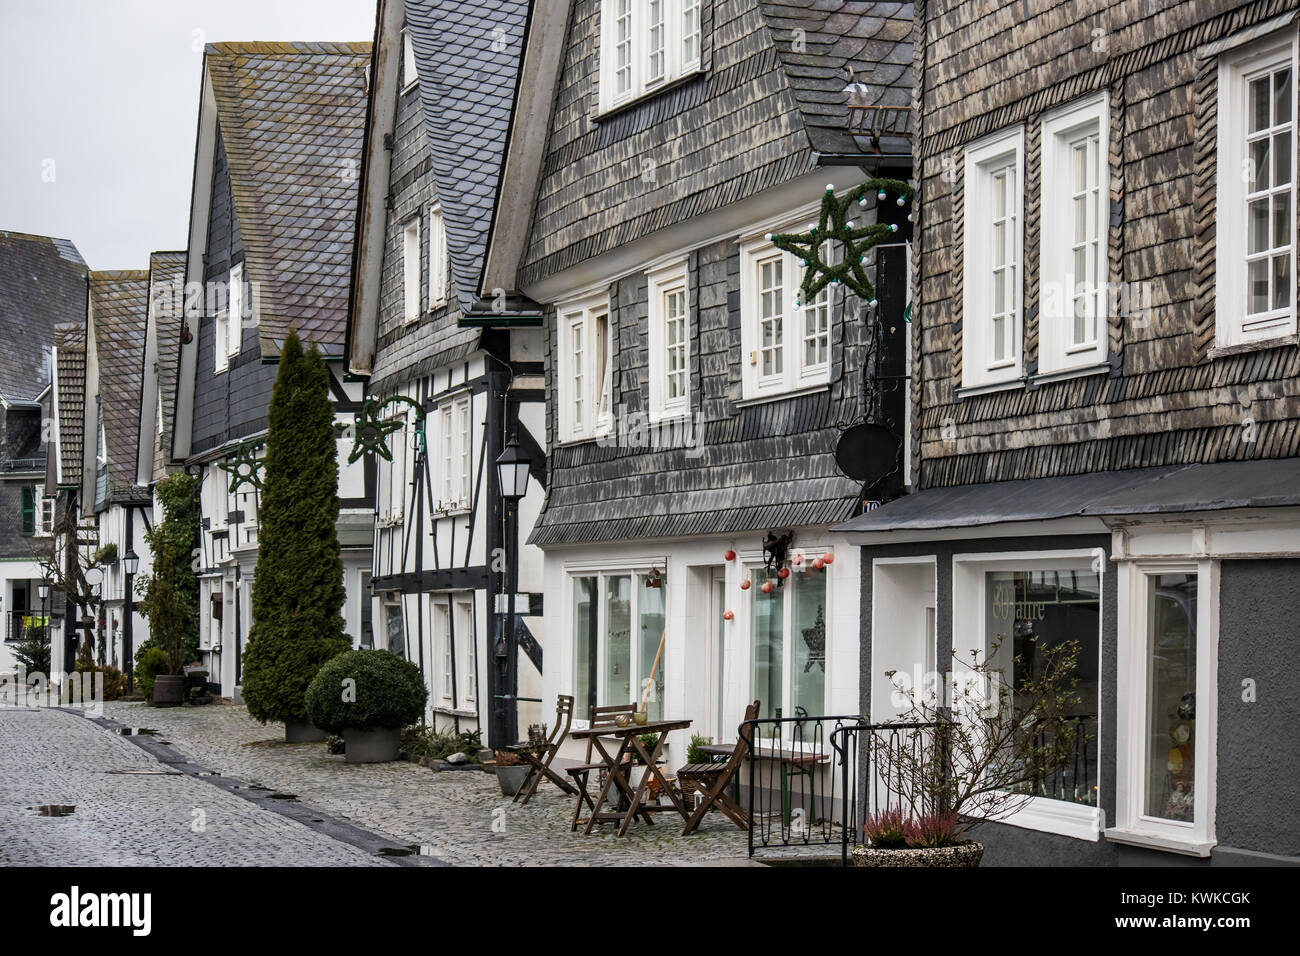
x=835, y=226
x=371, y=431
x=245, y=467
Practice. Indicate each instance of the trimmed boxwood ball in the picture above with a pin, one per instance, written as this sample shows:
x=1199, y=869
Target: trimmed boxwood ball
x=385, y=692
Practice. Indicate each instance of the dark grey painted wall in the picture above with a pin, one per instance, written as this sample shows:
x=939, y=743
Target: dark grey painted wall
x=1259, y=743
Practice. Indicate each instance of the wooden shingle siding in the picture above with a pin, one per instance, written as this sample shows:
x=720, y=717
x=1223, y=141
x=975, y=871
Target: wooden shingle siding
x=1166, y=401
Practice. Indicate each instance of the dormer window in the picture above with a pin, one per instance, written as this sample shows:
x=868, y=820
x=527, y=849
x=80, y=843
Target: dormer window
x=644, y=45
x=410, y=73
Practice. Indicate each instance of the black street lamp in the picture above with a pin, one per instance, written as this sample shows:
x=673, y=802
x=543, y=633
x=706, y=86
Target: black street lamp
x=512, y=479
x=130, y=564
x=43, y=589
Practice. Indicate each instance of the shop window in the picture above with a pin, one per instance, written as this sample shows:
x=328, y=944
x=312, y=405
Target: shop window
x=619, y=632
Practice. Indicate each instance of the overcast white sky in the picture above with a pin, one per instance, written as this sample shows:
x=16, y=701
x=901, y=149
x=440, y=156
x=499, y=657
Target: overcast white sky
x=100, y=105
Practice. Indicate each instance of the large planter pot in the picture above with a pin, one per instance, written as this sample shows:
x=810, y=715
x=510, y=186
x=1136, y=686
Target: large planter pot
x=168, y=690
x=302, y=732
x=371, y=746
x=963, y=854
x=512, y=778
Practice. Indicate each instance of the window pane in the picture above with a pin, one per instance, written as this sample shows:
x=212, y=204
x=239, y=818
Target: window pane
x=1282, y=159
x=1259, y=164
x=584, y=645
x=1171, y=696
x=808, y=647
x=1028, y=613
x=1257, y=235
x=766, y=647
x=651, y=614
x=618, y=640
x=1281, y=97
x=1259, y=111
x=1283, y=224
x=1281, y=282
x=1257, y=287
x=655, y=40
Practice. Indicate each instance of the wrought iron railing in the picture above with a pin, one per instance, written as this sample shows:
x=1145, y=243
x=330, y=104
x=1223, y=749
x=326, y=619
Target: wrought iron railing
x=813, y=781
x=1074, y=780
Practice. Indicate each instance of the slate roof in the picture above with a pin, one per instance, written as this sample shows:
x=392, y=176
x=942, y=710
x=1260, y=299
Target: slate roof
x=70, y=369
x=292, y=118
x=467, y=55
x=42, y=284
x=120, y=302
x=874, y=40
x=166, y=288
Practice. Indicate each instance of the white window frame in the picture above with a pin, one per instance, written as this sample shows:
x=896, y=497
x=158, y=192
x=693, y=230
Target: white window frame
x=662, y=285
x=442, y=647
x=678, y=51
x=1232, y=325
x=1060, y=289
x=220, y=499
x=455, y=453
x=1132, y=825
x=44, y=525
x=393, y=474
x=466, y=676
x=437, y=257
x=579, y=375
x=795, y=375
x=969, y=601
x=237, y=307
x=411, y=266
x=410, y=72
x=985, y=158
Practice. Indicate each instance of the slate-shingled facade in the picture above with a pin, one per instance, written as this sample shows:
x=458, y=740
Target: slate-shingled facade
x=272, y=218
x=438, y=123
x=655, y=210
x=1106, y=447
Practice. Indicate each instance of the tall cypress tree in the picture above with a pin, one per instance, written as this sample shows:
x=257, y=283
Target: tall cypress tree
x=298, y=592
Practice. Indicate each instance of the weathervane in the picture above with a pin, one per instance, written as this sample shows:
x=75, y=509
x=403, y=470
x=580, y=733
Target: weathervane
x=834, y=225
x=245, y=467
x=371, y=432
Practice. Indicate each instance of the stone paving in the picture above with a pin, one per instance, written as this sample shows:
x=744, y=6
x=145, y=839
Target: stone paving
x=130, y=809
x=457, y=816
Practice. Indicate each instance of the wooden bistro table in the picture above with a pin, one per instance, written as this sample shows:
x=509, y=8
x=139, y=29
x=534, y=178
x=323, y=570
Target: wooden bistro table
x=629, y=742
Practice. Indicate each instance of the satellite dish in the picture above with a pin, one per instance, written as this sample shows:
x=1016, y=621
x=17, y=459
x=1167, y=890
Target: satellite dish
x=867, y=452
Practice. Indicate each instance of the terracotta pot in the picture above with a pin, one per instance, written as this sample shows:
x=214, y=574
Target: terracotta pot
x=302, y=732
x=963, y=854
x=168, y=690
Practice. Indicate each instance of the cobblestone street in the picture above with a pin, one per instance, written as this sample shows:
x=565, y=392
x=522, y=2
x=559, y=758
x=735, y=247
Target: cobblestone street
x=130, y=809
x=449, y=815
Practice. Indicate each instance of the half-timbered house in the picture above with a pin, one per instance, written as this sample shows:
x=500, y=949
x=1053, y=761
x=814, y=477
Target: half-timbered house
x=1106, y=411
x=270, y=231
x=694, y=402
x=455, y=385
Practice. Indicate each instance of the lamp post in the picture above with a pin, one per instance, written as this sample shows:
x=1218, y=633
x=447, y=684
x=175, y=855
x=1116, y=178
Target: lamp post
x=130, y=564
x=43, y=589
x=512, y=480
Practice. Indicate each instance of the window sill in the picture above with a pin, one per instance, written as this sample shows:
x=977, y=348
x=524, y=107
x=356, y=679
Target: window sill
x=1077, y=820
x=459, y=511
x=1066, y=374
x=1152, y=841
x=605, y=113
x=1259, y=345
x=752, y=400
x=448, y=711
x=971, y=391
x=676, y=416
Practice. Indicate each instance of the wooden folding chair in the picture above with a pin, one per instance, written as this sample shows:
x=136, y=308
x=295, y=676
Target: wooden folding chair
x=711, y=780
x=581, y=773
x=539, y=757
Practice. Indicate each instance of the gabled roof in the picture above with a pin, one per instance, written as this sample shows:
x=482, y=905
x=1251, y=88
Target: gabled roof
x=841, y=52
x=291, y=117
x=166, y=290
x=70, y=396
x=467, y=56
x=119, y=304
x=42, y=284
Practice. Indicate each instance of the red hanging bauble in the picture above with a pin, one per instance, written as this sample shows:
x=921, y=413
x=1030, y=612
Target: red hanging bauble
x=828, y=558
x=729, y=555
x=727, y=615
x=783, y=573
x=767, y=587
x=819, y=563
x=744, y=585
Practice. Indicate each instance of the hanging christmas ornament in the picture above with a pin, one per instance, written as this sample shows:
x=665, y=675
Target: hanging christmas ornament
x=783, y=573
x=767, y=587
x=819, y=564
x=371, y=431
x=245, y=467
x=729, y=555
x=828, y=558
x=727, y=616
x=834, y=226
x=797, y=559
x=744, y=585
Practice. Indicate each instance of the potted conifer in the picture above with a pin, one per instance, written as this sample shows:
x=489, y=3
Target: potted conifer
x=170, y=595
x=298, y=592
x=368, y=697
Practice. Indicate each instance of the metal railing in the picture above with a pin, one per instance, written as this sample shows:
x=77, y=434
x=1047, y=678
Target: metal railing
x=813, y=781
